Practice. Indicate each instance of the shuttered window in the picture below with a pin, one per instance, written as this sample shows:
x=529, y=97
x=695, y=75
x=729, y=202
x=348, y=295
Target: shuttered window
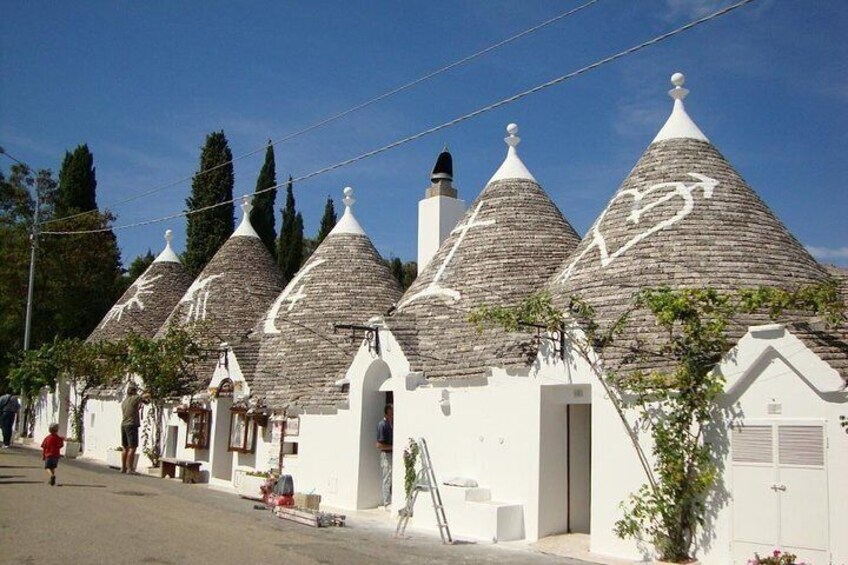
x=752, y=444
x=801, y=445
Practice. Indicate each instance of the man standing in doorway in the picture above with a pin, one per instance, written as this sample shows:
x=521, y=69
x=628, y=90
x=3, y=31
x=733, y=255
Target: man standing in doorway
x=384, y=444
x=130, y=408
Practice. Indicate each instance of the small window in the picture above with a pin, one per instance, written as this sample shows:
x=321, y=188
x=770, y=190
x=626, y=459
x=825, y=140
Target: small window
x=197, y=434
x=801, y=445
x=242, y=432
x=290, y=447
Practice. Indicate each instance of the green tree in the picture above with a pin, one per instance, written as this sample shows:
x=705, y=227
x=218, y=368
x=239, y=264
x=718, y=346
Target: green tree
x=262, y=214
x=168, y=369
x=405, y=273
x=212, y=184
x=77, y=183
x=328, y=220
x=291, y=243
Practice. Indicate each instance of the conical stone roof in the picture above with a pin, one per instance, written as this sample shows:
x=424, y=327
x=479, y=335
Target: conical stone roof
x=148, y=301
x=683, y=217
x=345, y=281
x=236, y=286
x=511, y=240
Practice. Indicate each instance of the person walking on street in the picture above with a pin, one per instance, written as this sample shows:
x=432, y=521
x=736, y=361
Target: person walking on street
x=130, y=408
x=50, y=448
x=385, y=433
x=9, y=407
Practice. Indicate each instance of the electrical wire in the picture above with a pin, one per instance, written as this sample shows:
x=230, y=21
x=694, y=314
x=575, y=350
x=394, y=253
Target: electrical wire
x=445, y=125
x=349, y=111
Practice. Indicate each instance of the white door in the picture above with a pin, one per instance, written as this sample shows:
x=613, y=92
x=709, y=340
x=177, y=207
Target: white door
x=780, y=490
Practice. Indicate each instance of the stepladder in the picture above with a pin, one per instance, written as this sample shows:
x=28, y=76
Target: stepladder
x=425, y=481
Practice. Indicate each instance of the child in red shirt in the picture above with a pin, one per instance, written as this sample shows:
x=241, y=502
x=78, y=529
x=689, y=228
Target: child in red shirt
x=50, y=452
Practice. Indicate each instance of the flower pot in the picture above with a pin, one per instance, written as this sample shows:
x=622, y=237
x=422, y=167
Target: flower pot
x=691, y=562
x=72, y=449
x=248, y=486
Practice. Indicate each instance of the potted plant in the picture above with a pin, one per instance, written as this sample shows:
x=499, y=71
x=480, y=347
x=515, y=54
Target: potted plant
x=249, y=483
x=776, y=558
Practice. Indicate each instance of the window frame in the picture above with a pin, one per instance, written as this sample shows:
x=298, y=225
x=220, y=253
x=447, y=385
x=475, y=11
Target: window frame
x=205, y=417
x=248, y=437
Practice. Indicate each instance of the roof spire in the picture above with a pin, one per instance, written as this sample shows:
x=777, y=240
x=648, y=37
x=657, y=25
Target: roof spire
x=512, y=167
x=347, y=223
x=245, y=228
x=167, y=255
x=679, y=124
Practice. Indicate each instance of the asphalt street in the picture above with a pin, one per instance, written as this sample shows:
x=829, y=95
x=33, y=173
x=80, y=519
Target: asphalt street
x=97, y=515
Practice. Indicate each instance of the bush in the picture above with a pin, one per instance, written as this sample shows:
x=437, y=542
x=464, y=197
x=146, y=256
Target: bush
x=776, y=558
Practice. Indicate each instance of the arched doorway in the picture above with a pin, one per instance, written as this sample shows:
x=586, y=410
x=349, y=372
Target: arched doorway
x=222, y=458
x=372, y=403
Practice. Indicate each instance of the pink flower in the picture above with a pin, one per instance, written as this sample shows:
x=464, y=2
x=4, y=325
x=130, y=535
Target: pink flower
x=777, y=553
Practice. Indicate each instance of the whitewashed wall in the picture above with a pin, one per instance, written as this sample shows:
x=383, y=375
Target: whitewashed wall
x=765, y=368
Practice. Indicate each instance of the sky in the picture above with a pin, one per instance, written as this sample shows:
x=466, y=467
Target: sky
x=143, y=83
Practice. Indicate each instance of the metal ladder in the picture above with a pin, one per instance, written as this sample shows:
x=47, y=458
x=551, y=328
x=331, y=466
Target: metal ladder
x=425, y=480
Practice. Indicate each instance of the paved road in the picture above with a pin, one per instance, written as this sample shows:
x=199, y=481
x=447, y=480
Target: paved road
x=96, y=515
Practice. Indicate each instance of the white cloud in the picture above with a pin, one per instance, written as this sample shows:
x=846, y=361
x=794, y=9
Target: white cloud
x=828, y=252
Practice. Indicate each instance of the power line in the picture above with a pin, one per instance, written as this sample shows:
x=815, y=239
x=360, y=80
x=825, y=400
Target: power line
x=351, y=110
x=434, y=129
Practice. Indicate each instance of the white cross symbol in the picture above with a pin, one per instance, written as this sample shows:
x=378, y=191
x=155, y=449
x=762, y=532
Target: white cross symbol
x=270, y=319
x=294, y=298
x=434, y=289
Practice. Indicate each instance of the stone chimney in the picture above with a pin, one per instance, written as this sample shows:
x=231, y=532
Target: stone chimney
x=439, y=211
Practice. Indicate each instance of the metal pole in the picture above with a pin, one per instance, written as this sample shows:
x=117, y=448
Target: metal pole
x=33, y=238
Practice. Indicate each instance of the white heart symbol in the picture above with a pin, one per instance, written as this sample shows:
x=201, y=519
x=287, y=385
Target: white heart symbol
x=680, y=189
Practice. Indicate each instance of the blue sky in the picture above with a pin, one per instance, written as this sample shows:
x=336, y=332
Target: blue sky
x=143, y=83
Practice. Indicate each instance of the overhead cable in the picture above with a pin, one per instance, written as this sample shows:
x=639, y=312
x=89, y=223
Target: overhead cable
x=453, y=122
x=347, y=112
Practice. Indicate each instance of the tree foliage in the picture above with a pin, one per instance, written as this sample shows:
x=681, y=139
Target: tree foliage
x=212, y=184
x=262, y=216
x=677, y=405
x=77, y=183
x=328, y=221
x=168, y=369
x=290, y=249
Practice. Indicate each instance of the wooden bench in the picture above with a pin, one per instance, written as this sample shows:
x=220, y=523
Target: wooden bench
x=189, y=470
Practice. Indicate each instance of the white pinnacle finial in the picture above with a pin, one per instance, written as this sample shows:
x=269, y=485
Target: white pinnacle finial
x=678, y=92
x=245, y=228
x=512, y=167
x=679, y=125
x=513, y=140
x=348, y=199
x=347, y=223
x=167, y=255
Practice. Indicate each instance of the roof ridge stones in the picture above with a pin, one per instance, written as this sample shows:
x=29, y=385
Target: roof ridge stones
x=344, y=281
x=510, y=241
x=683, y=217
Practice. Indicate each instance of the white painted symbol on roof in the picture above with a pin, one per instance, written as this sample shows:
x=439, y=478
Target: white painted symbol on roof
x=680, y=189
x=269, y=326
x=197, y=296
x=434, y=288
x=142, y=286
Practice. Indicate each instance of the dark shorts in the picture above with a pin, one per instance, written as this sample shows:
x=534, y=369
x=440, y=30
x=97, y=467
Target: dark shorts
x=129, y=436
x=51, y=462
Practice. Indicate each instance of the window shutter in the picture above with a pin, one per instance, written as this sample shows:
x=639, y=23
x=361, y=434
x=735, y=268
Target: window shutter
x=801, y=445
x=752, y=444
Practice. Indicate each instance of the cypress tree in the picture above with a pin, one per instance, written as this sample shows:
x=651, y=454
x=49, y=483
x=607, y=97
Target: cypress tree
x=77, y=183
x=262, y=215
x=79, y=275
x=328, y=220
x=208, y=230
x=290, y=250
